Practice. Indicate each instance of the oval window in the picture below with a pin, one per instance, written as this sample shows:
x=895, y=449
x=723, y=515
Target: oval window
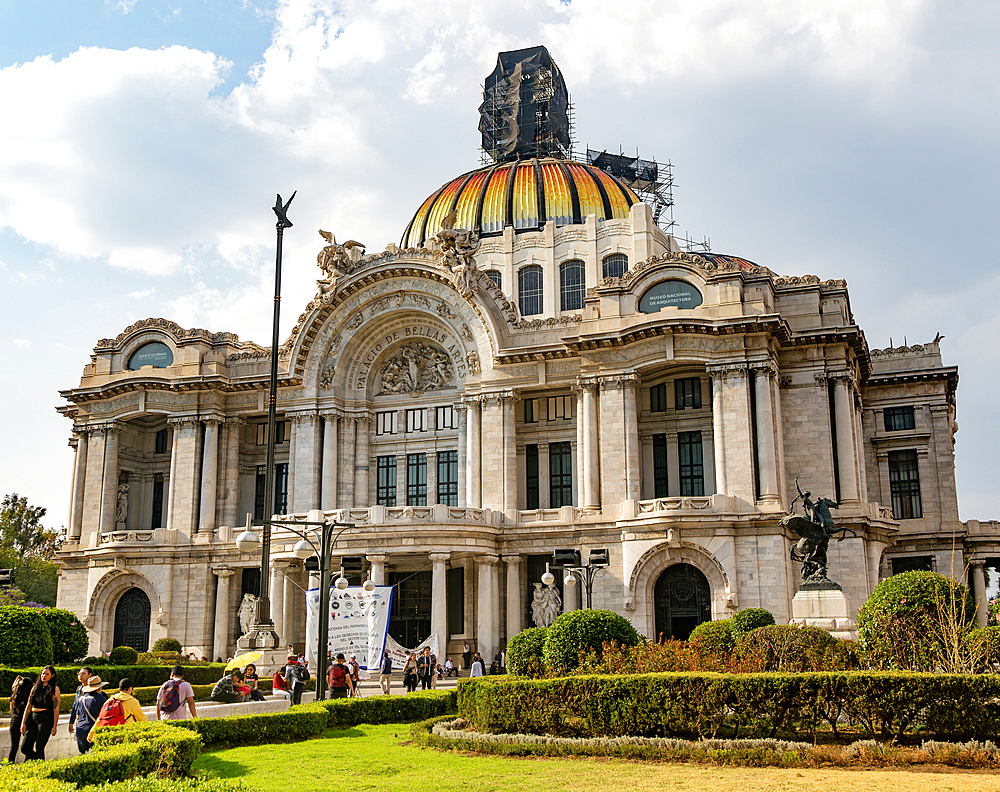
x=676, y=293
x=155, y=354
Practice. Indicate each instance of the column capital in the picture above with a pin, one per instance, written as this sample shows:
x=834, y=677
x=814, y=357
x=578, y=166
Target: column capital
x=378, y=558
x=618, y=381
x=514, y=558
x=724, y=370
x=977, y=562
x=488, y=559
x=766, y=368
x=331, y=413
x=472, y=400
x=108, y=428
x=586, y=384
x=180, y=421
x=212, y=420
x=305, y=415
x=73, y=442
x=439, y=558
x=235, y=421
x=223, y=572
x=500, y=397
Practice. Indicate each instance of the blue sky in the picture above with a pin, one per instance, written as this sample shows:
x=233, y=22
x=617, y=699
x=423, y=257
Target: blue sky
x=143, y=142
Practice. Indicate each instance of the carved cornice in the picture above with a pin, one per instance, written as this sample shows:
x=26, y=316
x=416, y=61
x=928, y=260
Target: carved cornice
x=172, y=329
x=726, y=370
x=765, y=368
x=618, y=381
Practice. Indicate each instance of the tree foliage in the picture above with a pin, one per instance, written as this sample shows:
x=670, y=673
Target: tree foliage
x=21, y=528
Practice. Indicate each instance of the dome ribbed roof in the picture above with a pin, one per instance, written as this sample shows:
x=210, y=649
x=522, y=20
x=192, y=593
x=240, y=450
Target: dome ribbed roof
x=525, y=195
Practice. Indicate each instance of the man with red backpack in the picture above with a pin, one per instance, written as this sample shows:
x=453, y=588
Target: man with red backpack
x=173, y=695
x=121, y=708
x=339, y=679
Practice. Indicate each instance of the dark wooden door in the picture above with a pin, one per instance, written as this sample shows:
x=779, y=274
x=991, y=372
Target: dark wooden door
x=410, y=616
x=132, y=620
x=683, y=600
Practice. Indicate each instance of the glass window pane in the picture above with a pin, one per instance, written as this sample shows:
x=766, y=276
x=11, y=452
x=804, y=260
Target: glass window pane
x=529, y=290
x=614, y=266
x=571, y=285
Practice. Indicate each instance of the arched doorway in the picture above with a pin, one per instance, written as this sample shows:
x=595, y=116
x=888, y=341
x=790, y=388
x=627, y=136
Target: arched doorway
x=132, y=616
x=682, y=600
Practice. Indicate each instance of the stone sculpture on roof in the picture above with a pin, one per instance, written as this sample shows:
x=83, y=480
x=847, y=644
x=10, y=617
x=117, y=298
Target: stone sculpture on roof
x=457, y=248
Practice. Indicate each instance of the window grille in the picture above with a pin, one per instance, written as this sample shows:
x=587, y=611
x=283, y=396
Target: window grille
x=571, y=285
x=614, y=265
x=529, y=290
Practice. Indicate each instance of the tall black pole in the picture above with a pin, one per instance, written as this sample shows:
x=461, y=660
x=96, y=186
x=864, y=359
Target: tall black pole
x=266, y=637
x=326, y=546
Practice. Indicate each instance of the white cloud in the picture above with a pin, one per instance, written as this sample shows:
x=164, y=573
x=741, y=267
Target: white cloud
x=21, y=343
x=142, y=294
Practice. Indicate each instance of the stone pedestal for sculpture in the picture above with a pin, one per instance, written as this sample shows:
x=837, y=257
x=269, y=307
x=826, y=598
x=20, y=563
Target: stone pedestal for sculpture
x=827, y=609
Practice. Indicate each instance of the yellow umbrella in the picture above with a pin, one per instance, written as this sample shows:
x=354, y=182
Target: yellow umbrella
x=243, y=660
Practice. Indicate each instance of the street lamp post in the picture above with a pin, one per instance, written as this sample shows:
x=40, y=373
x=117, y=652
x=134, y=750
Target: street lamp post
x=569, y=562
x=328, y=535
x=262, y=634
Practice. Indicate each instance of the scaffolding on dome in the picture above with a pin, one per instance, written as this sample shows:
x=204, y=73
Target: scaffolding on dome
x=526, y=109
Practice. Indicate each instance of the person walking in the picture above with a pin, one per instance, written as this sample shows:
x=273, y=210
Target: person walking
x=81, y=676
x=173, y=695
x=339, y=679
x=86, y=710
x=410, y=673
x=426, y=663
x=296, y=675
x=41, y=715
x=20, y=691
x=355, y=668
x=119, y=709
x=466, y=655
x=385, y=673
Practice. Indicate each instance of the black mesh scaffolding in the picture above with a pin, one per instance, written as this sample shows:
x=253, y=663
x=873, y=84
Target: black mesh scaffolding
x=525, y=110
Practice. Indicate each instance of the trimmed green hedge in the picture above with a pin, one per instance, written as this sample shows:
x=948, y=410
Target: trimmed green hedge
x=69, y=636
x=24, y=637
x=524, y=652
x=141, y=675
x=579, y=632
x=123, y=655
x=707, y=705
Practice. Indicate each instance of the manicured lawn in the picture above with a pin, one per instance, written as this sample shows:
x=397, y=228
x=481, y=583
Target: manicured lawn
x=373, y=759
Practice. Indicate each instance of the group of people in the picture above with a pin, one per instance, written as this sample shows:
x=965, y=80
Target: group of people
x=238, y=686
x=34, y=708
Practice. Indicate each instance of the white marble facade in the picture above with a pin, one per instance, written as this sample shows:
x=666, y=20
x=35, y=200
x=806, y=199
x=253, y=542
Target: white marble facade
x=465, y=440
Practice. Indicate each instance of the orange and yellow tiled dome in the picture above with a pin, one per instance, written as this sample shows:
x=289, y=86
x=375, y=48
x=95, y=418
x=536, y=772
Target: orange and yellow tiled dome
x=524, y=194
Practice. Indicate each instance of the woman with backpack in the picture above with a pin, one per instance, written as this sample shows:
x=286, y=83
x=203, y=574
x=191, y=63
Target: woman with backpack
x=20, y=690
x=41, y=715
x=339, y=679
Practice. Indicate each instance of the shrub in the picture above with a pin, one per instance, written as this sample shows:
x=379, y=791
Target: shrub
x=643, y=658
x=983, y=646
x=844, y=655
x=524, y=652
x=912, y=620
x=712, y=643
x=785, y=647
x=748, y=620
x=141, y=675
x=167, y=645
x=69, y=636
x=582, y=631
x=161, y=658
x=123, y=655
x=24, y=638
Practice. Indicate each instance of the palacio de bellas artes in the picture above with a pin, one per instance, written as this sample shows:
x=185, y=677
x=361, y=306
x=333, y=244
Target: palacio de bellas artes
x=537, y=365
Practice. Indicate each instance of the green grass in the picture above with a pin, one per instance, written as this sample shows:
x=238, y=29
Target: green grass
x=377, y=759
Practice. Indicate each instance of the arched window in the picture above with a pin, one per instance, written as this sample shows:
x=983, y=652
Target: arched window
x=571, y=285
x=615, y=265
x=155, y=353
x=496, y=277
x=529, y=290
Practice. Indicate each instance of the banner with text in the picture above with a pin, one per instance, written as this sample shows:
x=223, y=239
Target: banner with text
x=400, y=653
x=359, y=622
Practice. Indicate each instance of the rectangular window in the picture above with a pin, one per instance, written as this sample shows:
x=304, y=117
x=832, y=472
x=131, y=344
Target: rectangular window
x=531, y=476
x=260, y=483
x=691, y=469
x=282, y=432
x=898, y=419
x=416, y=420
x=904, y=481
x=385, y=494
x=660, y=466
x=912, y=564
x=447, y=478
x=386, y=422
x=416, y=479
x=157, y=520
x=161, y=442
x=281, y=488
x=658, y=398
x=561, y=408
x=560, y=475
x=455, y=581
x=445, y=418
x=531, y=410
x=687, y=393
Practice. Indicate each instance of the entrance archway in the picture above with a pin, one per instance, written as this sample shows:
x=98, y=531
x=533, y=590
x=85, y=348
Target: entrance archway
x=682, y=600
x=132, y=616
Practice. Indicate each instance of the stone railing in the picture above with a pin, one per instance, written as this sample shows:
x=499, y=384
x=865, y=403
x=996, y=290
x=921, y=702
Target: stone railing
x=126, y=537
x=674, y=504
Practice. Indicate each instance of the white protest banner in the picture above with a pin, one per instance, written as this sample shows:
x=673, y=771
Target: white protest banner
x=358, y=622
x=400, y=653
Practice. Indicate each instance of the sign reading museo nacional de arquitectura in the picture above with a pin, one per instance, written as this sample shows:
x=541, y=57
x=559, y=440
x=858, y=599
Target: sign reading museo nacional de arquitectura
x=484, y=393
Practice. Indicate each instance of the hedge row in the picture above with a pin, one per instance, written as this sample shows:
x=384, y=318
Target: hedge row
x=700, y=705
x=450, y=734
x=141, y=675
x=149, y=783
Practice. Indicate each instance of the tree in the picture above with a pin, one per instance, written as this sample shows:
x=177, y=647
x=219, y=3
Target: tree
x=21, y=528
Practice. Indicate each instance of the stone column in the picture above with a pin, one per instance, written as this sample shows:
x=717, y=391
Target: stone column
x=473, y=468
x=346, y=467
x=591, y=457
x=109, y=485
x=619, y=448
x=439, y=599
x=718, y=433
x=487, y=638
x=79, y=485
x=220, y=647
x=463, y=420
x=846, y=460
x=514, y=604
x=329, y=486
x=766, y=450
x=431, y=478
x=544, y=483
x=289, y=629
x=401, y=480
x=209, y=476
x=378, y=562
x=632, y=455
x=507, y=401
x=90, y=516
x=303, y=475
x=231, y=471
x=979, y=591
x=183, y=459
x=362, y=463
x=277, y=594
